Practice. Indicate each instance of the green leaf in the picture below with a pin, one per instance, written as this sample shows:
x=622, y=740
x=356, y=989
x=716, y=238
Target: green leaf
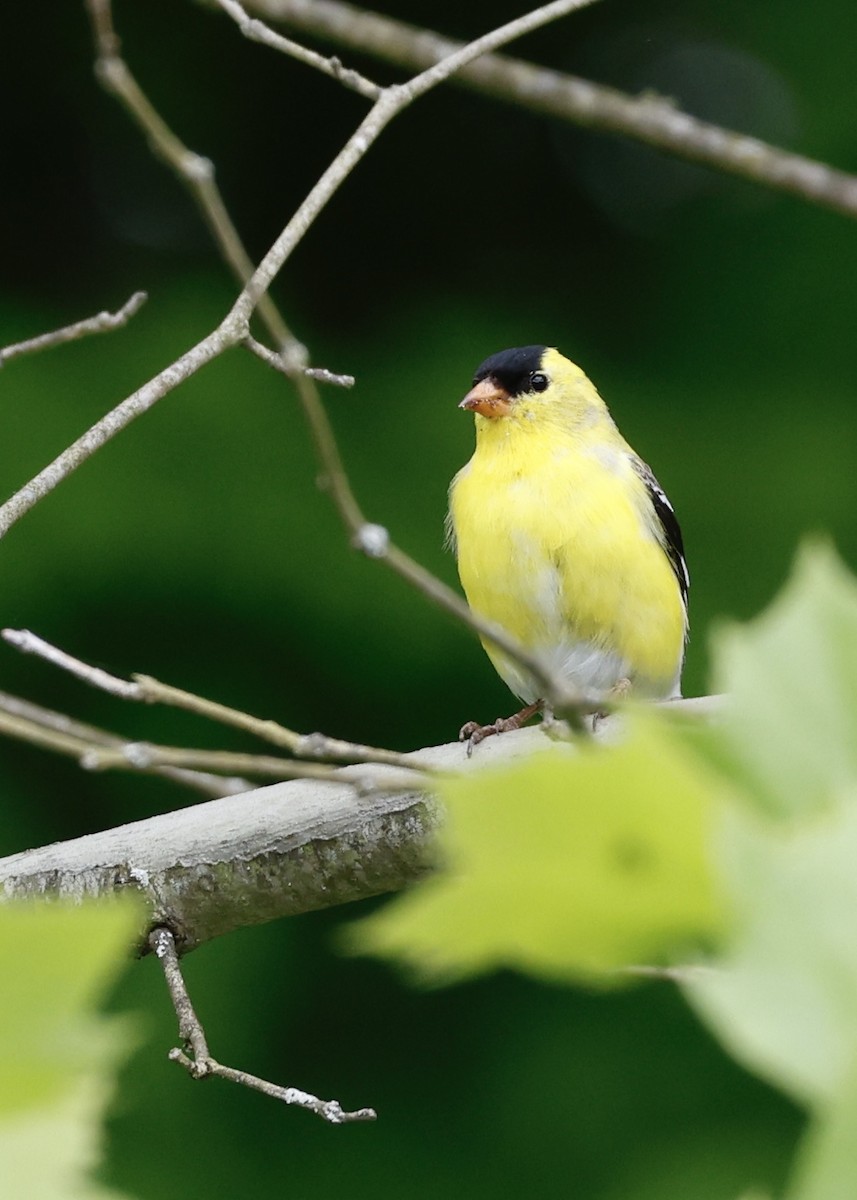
x=566, y=865
x=47, y=1152
x=57, y=1056
x=827, y=1162
x=791, y=678
x=783, y=995
x=783, y=998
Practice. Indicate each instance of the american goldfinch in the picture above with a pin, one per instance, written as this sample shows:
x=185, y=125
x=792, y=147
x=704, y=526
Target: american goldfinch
x=565, y=538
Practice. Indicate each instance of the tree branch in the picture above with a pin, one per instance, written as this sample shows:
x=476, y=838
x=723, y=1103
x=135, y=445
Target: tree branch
x=243, y=860
x=146, y=690
x=257, y=31
x=103, y=322
x=194, y=171
x=276, y=851
x=234, y=329
x=108, y=426
x=199, y=1063
x=235, y=326
x=61, y=734
x=648, y=118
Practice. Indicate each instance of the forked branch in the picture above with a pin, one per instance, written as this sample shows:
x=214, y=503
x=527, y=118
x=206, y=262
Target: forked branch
x=196, y=1058
x=649, y=118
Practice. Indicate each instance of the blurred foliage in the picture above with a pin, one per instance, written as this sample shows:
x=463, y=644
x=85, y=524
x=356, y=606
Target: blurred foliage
x=661, y=852
x=716, y=318
x=569, y=891
x=58, y=1056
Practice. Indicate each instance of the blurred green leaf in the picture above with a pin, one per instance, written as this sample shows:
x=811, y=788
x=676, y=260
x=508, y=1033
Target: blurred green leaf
x=47, y=1152
x=791, y=677
x=57, y=1055
x=827, y=1164
x=566, y=865
x=783, y=998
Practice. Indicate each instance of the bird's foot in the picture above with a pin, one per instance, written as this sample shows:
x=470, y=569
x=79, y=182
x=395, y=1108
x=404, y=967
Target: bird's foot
x=473, y=733
x=619, y=690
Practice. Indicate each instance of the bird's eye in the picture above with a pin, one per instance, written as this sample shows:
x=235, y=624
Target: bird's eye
x=539, y=381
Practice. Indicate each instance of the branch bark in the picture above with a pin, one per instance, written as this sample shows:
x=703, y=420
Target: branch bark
x=242, y=860
x=103, y=322
x=648, y=118
x=273, y=852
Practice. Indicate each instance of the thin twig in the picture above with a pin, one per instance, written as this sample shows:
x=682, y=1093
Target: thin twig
x=234, y=329
x=649, y=118
x=30, y=643
x=198, y=1062
x=302, y=745
x=284, y=363
x=392, y=101
x=374, y=541
x=195, y=171
x=114, y=422
x=28, y=722
x=257, y=31
x=103, y=322
x=235, y=326
x=143, y=756
x=146, y=690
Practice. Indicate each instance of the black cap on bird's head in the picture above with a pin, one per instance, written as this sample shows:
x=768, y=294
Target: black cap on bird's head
x=512, y=368
x=501, y=378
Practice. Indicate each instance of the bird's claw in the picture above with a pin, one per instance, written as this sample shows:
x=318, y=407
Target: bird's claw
x=473, y=733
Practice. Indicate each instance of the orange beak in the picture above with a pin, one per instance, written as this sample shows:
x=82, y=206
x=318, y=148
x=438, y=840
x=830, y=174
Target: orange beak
x=488, y=399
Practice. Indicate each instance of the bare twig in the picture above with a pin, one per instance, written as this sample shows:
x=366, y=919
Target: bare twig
x=688, y=973
x=30, y=643
x=234, y=329
x=28, y=722
x=103, y=322
x=654, y=120
x=374, y=541
x=235, y=326
x=108, y=426
x=193, y=170
x=145, y=755
x=198, y=1062
x=286, y=364
x=257, y=31
x=146, y=690
x=393, y=100
x=322, y=375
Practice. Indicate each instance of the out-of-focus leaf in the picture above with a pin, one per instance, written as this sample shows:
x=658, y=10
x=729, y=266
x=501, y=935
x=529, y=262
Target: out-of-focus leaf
x=784, y=997
x=566, y=866
x=791, y=679
x=827, y=1163
x=57, y=1056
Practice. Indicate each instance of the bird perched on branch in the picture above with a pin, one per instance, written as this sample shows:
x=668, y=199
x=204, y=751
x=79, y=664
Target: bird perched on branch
x=565, y=538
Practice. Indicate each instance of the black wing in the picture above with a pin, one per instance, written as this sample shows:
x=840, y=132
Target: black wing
x=664, y=511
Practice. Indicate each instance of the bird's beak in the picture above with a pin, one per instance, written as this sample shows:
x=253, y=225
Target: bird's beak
x=488, y=398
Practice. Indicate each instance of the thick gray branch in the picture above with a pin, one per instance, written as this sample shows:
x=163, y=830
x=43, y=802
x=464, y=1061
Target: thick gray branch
x=241, y=860
x=273, y=852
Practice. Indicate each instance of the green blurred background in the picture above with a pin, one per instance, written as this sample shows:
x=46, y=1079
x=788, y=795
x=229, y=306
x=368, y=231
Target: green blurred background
x=717, y=320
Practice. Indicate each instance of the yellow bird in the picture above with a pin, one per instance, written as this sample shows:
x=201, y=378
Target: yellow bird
x=565, y=538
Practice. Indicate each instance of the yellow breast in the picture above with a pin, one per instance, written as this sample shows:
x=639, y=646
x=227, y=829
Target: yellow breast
x=557, y=541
